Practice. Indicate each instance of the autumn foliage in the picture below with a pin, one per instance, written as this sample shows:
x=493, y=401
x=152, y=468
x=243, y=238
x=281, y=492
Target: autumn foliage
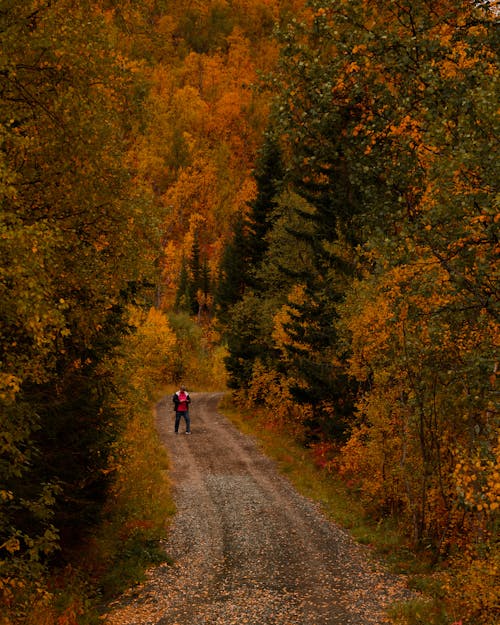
x=73, y=257
x=307, y=192
x=386, y=322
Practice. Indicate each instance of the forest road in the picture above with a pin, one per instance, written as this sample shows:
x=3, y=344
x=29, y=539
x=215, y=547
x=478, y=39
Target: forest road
x=247, y=548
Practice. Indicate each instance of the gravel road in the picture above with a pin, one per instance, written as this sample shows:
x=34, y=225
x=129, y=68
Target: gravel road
x=248, y=549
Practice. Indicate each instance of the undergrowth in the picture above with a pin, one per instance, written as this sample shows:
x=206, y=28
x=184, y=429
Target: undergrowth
x=124, y=544
x=127, y=538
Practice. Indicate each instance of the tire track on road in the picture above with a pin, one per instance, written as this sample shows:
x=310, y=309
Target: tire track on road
x=247, y=547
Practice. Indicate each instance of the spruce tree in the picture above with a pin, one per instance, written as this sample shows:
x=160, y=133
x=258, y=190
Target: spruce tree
x=269, y=177
x=244, y=253
x=183, y=295
x=194, y=283
x=239, y=308
x=205, y=287
x=313, y=353
x=233, y=272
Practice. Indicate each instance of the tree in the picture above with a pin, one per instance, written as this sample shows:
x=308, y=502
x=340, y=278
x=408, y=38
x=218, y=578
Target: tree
x=71, y=227
x=323, y=173
x=233, y=273
x=268, y=176
x=249, y=333
x=183, y=296
x=195, y=275
x=388, y=122
x=388, y=129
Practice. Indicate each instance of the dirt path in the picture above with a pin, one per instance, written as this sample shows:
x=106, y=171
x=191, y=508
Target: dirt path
x=248, y=549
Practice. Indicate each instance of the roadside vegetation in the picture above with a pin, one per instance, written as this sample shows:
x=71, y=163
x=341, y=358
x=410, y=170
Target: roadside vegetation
x=308, y=467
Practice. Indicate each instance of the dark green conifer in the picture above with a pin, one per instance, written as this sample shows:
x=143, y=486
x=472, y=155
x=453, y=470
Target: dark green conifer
x=269, y=177
x=194, y=282
x=233, y=272
x=183, y=295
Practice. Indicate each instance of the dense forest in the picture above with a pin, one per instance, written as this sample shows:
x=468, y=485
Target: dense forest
x=304, y=193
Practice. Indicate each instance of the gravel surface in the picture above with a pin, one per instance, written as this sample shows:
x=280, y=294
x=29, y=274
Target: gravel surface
x=248, y=549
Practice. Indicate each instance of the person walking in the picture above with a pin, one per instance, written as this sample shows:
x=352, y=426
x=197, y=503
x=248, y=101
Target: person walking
x=181, y=401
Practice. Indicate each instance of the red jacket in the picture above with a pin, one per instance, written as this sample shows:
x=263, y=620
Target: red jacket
x=181, y=400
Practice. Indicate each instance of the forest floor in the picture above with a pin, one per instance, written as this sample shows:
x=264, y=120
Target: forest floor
x=247, y=548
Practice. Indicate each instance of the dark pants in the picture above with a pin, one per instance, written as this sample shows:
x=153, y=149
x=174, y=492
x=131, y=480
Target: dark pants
x=185, y=414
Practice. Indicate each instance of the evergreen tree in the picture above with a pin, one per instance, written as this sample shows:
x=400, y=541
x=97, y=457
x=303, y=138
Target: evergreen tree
x=268, y=176
x=183, y=295
x=233, y=272
x=314, y=356
x=249, y=338
x=195, y=276
x=205, y=288
x=238, y=307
